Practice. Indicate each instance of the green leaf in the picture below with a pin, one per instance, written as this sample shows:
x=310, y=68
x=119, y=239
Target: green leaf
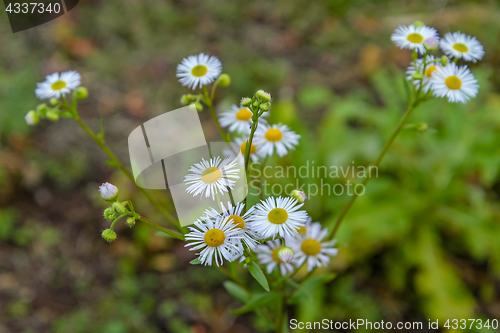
x=236, y=291
x=258, y=274
x=112, y=163
x=257, y=302
x=195, y=261
x=308, y=286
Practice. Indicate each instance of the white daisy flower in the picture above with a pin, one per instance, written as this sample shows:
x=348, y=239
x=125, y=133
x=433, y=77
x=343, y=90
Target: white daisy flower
x=267, y=254
x=279, y=137
x=216, y=237
x=278, y=216
x=456, y=83
x=310, y=246
x=238, y=119
x=239, y=145
x=198, y=70
x=57, y=85
x=459, y=45
x=240, y=220
x=419, y=67
x=212, y=176
x=413, y=38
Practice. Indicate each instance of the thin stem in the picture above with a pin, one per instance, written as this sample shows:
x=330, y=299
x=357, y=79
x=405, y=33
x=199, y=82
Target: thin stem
x=159, y=227
x=120, y=166
x=375, y=164
x=210, y=105
x=248, y=147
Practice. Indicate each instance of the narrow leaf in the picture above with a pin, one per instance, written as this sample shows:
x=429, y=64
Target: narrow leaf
x=258, y=274
x=111, y=163
x=195, y=261
x=257, y=302
x=237, y=292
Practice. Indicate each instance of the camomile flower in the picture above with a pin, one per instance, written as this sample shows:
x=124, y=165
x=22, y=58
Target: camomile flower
x=240, y=220
x=279, y=137
x=238, y=146
x=419, y=67
x=267, y=254
x=413, y=38
x=310, y=247
x=212, y=176
x=198, y=70
x=57, y=85
x=456, y=83
x=278, y=216
x=215, y=237
x=459, y=45
x=238, y=119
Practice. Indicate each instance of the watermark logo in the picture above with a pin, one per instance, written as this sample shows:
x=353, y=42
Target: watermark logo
x=26, y=14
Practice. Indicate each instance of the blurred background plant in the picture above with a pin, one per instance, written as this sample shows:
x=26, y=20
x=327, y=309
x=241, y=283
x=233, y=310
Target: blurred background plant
x=421, y=243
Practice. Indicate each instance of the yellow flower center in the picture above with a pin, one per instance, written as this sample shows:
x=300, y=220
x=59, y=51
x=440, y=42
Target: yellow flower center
x=277, y=216
x=211, y=175
x=199, y=70
x=415, y=38
x=243, y=146
x=311, y=247
x=301, y=230
x=244, y=114
x=237, y=221
x=460, y=47
x=453, y=82
x=274, y=134
x=274, y=254
x=429, y=70
x=58, y=85
x=214, y=237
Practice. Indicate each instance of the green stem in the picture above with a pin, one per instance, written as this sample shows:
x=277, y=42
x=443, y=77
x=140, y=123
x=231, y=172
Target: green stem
x=248, y=147
x=375, y=164
x=159, y=227
x=120, y=166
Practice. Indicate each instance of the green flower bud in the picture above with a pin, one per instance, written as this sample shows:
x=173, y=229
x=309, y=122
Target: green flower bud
x=109, y=235
x=42, y=108
x=256, y=104
x=298, y=195
x=109, y=214
x=54, y=101
x=131, y=222
x=197, y=106
x=265, y=106
x=32, y=118
x=418, y=24
x=285, y=254
x=263, y=96
x=245, y=102
x=52, y=115
x=417, y=76
x=445, y=60
x=81, y=93
x=224, y=80
x=119, y=207
x=422, y=127
x=186, y=99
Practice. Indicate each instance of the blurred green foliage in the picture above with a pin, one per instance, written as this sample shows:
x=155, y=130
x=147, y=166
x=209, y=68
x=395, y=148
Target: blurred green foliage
x=422, y=243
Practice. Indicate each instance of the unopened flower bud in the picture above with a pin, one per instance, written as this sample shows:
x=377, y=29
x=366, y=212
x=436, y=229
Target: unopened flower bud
x=109, y=214
x=81, y=93
x=109, y=235
x=417, y=76
x=245, y=102
x=197, y=106
x=265, y=106
x=431, y=44
x=224, y=80
x=54, y=101
x=186, y=99
x=131, y=221
x=109, y=192
x=285, y=254
x=418, y=24
x=32, y=118
x=422, y=127
x=445, y=61
x=42, y=108
x=52, y=115
x=256, y=104
x=119, y=207
x=298, y=195
x=263, y=96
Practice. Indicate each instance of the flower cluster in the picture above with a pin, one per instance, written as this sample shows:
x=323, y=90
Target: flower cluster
x=440, y=76
x=234, y=231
